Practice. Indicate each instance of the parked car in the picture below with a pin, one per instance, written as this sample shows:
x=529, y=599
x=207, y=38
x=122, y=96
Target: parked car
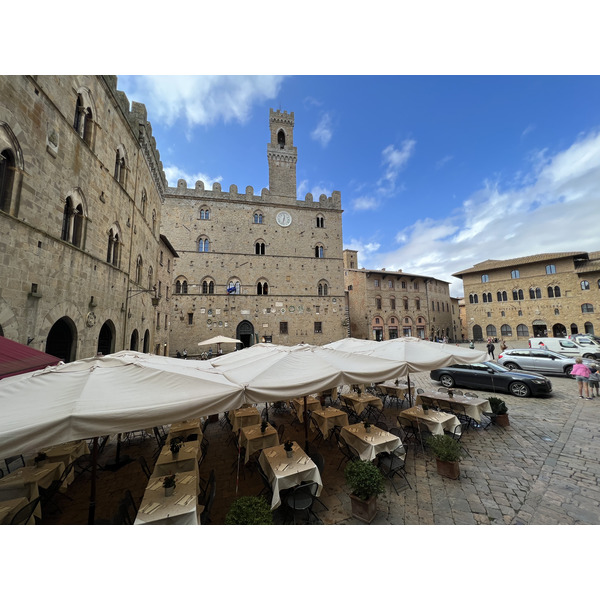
x=541, y=361
x=589, y=340
x=565, y=347
x=493, y=377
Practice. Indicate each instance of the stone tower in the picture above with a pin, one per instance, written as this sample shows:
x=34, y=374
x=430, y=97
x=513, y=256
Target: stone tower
x=282, y=154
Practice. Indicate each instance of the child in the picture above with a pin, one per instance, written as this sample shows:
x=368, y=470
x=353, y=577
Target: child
x=594, y=381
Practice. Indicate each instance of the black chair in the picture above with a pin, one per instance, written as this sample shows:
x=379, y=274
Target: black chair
x=205, y=424
x=205, y=485
x=23, y=515
x=390, y=465
x=48, y=494
x=318, y=433
x=145, y=467
x=409, y=430
x=204, y=451
x=205, y=517
x=353, y=416
x=343, y=448
x=280, y=433
x=127, y=510
x=1, y=473
x=318, y=459
x=267, y=490
x=457, y=435
x=381, y=425
x=301, y=499
x=12, y=460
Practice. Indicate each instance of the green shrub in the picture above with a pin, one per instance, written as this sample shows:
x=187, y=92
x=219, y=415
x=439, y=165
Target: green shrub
x=444, y=447
x=249, y=510
x=498, y=406
x=364, y=478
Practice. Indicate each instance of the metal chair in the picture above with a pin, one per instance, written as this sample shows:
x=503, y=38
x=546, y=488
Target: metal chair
x=24, y=514
x=145, y=467
x=381, y=425
x=281, y=432
x=391, y=465
x=267, y=490
x=471, y=395
x=347, y=454
x=12, y=460
x=127, y=510
x=204, y=451
x=47, y=494
x=1, y=473
x=205, y=485
x=457, y=435
x=205, y=517
x=302, y=498
x=318, y=433
x=409, y=430
x=318, y=459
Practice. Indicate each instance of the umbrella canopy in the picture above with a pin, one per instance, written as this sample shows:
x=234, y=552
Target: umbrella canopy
x=219, y=339
x=109, y=394
x=17, y=358
x=413, y=353
x=270, y=372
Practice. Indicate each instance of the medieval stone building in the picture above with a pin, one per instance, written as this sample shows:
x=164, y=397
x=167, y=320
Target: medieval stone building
x=543, y=295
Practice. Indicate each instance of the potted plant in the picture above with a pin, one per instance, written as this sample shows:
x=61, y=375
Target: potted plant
x=40, y=459
x=450, y=394
x=288, y=446
x=263, y=426
x=499, y=411
x=366, y=482
x=249, y=510
x=367, y=425
x=169, y=485
x=447, y=455
x=175, y=446
x=425, y=408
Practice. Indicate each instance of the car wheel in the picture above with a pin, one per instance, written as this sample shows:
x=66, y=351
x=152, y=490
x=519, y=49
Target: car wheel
x=568, y=370
x=446, y=381
x=512, y=366
x=592, y=356
x=516, y=388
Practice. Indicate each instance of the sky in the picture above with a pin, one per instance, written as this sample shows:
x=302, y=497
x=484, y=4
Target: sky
x=436, y=172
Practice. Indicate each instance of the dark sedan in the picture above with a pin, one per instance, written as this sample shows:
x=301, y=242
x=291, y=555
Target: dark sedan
x=493, y=377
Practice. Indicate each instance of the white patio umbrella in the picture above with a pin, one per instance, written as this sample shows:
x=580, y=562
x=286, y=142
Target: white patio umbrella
x=218, y=340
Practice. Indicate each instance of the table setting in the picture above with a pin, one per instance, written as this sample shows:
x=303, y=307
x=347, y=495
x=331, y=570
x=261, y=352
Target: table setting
x=370, y=441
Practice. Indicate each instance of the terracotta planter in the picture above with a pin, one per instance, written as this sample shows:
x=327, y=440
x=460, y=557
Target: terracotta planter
x=448, y=469
x=364, y=510
x=502, y=420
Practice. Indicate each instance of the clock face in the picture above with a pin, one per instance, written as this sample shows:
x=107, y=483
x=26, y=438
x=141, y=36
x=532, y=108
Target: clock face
x=284, y=218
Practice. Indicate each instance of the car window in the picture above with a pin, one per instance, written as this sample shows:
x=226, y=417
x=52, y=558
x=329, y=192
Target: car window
x=567, y=344
x=519, y=353
x=541, y=355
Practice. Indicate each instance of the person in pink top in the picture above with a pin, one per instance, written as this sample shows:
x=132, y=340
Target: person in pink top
x=582, y=376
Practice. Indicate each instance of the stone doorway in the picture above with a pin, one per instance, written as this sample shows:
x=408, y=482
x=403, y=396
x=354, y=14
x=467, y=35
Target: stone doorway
x=245, y=333
x=61, y=340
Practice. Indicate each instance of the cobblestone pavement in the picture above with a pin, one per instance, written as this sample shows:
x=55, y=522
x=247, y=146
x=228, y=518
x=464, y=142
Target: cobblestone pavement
x=544, y=469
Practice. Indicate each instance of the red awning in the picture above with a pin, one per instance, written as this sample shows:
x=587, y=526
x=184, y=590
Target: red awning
x=17, y=358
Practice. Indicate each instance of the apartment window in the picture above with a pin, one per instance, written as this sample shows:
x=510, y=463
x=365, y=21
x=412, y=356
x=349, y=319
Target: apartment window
x=515, y=274
x=320, y=222
x=585, y=285
x=485, y=278
x=587, y=308
x=318, y=328
x=190, y=318
x=203, y=245
x=168, y=265
x=259, y=247
x=138, y=270
x=257, y=218
x=378, y=303
x=502, y=313
x=204, y=214
x=319, y=251
x=393, y=303
x=283, y=327
x=376, y=282
x=550, y=269
x=432, y=305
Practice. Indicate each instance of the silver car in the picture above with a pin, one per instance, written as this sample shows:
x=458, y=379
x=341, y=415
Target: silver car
x=541, y=361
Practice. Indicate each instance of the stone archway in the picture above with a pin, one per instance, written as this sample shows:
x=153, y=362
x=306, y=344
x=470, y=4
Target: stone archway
x=146, y=347
x=559, y=330
x=106, y=338
x=135, y=340
x=62, y=340
x=245, y=333
x=477, y=333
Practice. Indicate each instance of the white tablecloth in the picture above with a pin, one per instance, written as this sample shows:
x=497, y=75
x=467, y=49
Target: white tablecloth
x=326, y=418
x=284, y=472
x=186, y=460
x=311, y=404
x=185, y=428
x=436, y=421
x=179, y=509
x=253, y=439
x=370, y=443
x=9, y=508
x=473, y=407
x=66, y=453
x=360, y=401
x=243, y=417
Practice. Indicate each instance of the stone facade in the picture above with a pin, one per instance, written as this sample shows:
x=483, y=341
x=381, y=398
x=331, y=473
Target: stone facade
x=256, y=267
x=544, y=295
x=80, y=207
x=388, y=304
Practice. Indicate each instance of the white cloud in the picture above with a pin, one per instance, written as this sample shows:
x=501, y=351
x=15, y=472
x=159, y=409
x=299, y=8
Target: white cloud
x=441, y=163
x=323, y=132
x=527, y=130
x=200, y=100
x=365, y=203
x=303, y=188
x=555, y=211
x=394, y=160
x=174, y=174
x=365, y=249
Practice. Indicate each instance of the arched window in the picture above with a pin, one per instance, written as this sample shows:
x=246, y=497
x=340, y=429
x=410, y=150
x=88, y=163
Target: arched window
x=113, y=253
x=83, y=122
x=587, y=308
x=473, y=299
x=205, y=214
x=144, y=203
x=484, y=297
x=7, y=178
x=515, y=274
x=262, y=288
x=184, y=287
x=550, y=292
x=258, y=217
x=281, y=138
x=550, y=269
x=153, y=222
x=205, y=287
x=485, y=278
x=535, y=293
x=259, y=247
x=589, y=328
x=522, y=330
x=120, y=166
x=556, y=291
x=320, y=221
x=502, y=297
x=178, y=287
x=585, y=285
x=505, y=331
x=378, y=303
x=323, y=288
x=319, y=251
x=203, y=244
x=73, y=222
x=490, y=331
x=138, y=270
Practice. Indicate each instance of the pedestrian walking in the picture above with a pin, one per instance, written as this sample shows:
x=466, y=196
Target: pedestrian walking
x=184, y=354
x=491, y=348
x=594, y=381
x=582, y=376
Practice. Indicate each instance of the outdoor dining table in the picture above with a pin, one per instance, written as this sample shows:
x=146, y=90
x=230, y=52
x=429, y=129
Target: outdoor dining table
x=285, y=473
x=185, y=428
x=436, y=421
x=327, y=418
x=185, y=460
x=252, y=438
x=179, y=509
x=370, y=443
x=65, y=453
x=399, y=391
x=472, y=407
x=9, y=508
x=26, y=481
x=311, y=404
x=242, y=417
x=361, y=401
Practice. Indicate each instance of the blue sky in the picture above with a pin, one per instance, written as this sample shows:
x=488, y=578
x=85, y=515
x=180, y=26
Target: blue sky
x=436, y=173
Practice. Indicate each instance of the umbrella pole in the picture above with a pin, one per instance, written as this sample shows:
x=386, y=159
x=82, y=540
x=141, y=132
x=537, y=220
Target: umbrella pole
x=92, y=509
x=118, y=455
x=306, y=446
x=410, y=400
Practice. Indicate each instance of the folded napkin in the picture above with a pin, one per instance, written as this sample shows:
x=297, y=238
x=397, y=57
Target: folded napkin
x=187, y=479
x=150, y=508
x=283, y=467
x=155, y=486
x=184, y=500
x=188, y=450
x=272, y=454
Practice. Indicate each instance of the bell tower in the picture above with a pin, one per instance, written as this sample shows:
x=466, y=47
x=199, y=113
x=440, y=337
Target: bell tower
x=282, y=154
